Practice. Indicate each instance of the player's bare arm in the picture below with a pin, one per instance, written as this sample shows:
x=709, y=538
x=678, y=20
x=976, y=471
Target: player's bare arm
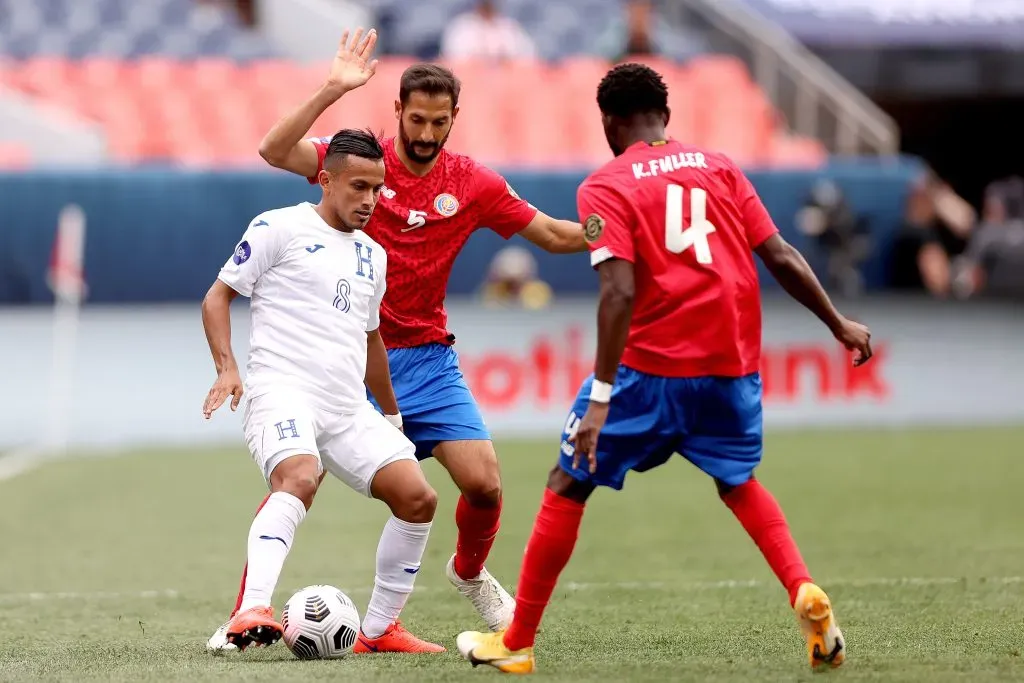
x=284, y=146
x=378, y=373
x=555, y=236
x=788, y=266
x=614, y=312
x=217, y=323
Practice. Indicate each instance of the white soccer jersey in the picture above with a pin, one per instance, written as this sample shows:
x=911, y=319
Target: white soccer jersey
x=315, y=292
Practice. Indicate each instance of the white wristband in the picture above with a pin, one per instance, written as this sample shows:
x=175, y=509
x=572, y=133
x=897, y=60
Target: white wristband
x=600, y=392
x=395, y=419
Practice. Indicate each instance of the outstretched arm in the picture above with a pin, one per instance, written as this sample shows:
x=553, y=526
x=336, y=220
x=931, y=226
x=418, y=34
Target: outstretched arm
x=284, y=147
x=555, y=236
x=791, y=270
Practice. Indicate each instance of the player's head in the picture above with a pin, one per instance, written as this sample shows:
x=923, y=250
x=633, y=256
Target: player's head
x=634, y=104
x=352, y=176
x=428, y=102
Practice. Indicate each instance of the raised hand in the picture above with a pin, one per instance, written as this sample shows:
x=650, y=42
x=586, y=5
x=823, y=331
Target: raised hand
x=352, y=66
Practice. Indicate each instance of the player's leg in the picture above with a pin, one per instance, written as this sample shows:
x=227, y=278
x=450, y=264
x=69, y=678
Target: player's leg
x=377, y=460
x=473, y=466
x=551, y=543
x=282, y=439
x=442, y=418
x=724, y=438
x=634, y=438
x=218, y=642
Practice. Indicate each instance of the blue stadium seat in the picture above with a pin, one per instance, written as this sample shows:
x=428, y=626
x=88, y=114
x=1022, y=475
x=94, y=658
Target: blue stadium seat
x=124, y=28
x=560, y=29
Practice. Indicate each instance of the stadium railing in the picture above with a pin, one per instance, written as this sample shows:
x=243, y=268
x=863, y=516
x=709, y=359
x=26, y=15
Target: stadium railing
x=813, y=97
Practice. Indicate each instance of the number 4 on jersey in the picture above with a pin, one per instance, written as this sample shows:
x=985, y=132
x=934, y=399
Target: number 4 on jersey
x=677, y=239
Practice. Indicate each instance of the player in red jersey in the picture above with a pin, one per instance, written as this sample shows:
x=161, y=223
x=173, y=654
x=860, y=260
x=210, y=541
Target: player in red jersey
x=433, y=200
x=671, y=229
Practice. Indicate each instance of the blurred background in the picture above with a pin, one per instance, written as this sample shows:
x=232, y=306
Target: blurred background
x=885, y=140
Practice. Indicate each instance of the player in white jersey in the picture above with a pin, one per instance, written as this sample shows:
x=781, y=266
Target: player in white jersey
x=315, y=281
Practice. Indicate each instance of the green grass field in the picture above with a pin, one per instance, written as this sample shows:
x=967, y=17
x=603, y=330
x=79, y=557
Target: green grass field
x=118, y=569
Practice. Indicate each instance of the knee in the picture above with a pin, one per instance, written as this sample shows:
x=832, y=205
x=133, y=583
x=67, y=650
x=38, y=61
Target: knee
x=561, y=484
x=302, y=484
x=723, y=488
x=418, y=507
x=483, y=489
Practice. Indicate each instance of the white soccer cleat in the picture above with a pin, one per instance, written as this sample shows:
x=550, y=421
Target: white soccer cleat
x=218, y=643
x=492, y=602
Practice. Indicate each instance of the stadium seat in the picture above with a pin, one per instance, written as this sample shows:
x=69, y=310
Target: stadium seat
x=14, y=156
x=519, y=114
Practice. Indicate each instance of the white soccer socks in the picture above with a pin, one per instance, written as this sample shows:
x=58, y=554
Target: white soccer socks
x=270, y=539
x=398, y=560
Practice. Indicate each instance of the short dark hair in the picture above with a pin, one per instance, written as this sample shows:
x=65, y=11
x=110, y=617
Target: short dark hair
x=432, y=79
x=631, y=89
x=360, y=143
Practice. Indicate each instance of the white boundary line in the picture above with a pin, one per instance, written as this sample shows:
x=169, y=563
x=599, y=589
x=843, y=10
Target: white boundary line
x=20, y=461
x=9, y=598
x=693, y=586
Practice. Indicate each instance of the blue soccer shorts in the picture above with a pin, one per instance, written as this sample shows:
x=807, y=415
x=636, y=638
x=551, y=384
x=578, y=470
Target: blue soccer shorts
x=436, y=404
x=714, y=422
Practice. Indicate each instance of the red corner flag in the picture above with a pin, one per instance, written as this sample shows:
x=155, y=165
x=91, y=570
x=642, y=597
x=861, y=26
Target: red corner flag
x=65, y=275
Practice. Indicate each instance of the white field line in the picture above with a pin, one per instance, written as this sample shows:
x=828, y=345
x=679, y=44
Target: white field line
x=20, y=461
x=692, y=586
x=9, y=598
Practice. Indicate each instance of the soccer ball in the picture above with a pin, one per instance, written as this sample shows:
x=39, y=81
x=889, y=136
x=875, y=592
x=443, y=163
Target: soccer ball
x=320, y=622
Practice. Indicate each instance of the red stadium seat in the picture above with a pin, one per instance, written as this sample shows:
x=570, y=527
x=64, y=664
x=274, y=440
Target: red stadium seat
x=14, y=156
x=520, y=113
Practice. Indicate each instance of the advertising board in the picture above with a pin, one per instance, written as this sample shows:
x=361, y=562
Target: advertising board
x=142, y=373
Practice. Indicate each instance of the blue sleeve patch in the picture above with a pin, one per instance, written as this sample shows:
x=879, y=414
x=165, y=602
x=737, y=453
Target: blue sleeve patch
x=242, y=253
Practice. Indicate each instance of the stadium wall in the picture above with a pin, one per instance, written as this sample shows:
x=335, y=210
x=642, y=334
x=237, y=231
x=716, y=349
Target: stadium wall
x=161, y=236
x=143, y=371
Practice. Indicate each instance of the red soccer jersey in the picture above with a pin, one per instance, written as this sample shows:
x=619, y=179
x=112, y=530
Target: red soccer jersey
x=423, y=223
x=688, y=220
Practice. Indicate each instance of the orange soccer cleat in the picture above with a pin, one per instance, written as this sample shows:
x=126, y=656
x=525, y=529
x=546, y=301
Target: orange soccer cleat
x=254, y=625
x=395, y=639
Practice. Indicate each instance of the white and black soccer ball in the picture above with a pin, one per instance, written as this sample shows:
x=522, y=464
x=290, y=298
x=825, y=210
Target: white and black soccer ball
x=320, y=622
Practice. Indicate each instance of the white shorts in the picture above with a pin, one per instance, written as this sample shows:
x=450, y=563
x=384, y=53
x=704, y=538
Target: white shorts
x=353, y=448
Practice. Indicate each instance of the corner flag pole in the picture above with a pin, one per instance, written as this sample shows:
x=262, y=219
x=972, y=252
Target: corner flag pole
x=66, y=280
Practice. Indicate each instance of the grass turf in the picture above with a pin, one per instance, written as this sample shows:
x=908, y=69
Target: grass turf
x=118, y=569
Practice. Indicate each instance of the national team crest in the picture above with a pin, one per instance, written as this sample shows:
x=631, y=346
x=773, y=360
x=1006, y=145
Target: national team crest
x=593, y=227
x=446, y=205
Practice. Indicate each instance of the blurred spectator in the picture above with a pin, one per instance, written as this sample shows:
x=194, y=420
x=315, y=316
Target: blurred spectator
x=993, y=263
x=485, y=34
x=641, y=30
x=839, y=233
x=936, y=227
x=245, y=9
x=512, y=281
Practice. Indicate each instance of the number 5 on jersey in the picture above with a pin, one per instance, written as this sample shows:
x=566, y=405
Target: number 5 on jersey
x=678, y=239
